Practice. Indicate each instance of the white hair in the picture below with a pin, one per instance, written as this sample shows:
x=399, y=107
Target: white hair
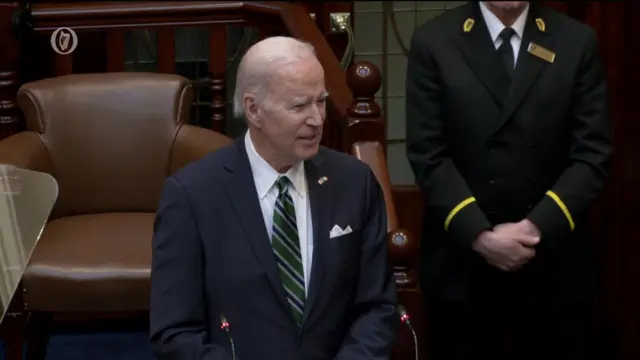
x=262, y=61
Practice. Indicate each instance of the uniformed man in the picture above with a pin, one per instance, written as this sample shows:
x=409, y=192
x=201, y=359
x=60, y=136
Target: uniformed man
x=509, y=138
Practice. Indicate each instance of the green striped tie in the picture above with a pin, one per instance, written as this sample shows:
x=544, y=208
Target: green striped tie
x=286, y=246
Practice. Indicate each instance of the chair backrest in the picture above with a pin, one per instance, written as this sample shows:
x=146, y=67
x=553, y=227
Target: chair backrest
x=109, y=136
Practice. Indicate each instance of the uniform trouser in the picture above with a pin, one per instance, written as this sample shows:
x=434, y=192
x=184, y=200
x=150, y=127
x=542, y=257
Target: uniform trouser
x=461, y=331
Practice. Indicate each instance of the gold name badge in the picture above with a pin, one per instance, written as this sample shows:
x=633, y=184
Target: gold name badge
x=542, y=53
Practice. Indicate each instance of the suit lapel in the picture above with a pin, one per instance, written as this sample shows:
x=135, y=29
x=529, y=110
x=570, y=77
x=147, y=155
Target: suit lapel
x=320, y=199
x=529, y=66
x=480, y=53
x=246, y=205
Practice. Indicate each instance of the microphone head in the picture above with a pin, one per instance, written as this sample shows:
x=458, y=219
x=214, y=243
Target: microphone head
x=404, y=316
x=224, y=323
x=401, y=310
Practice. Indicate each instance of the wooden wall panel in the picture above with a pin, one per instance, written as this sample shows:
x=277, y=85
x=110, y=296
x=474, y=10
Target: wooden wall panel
x=9, y=72
x=618, y=237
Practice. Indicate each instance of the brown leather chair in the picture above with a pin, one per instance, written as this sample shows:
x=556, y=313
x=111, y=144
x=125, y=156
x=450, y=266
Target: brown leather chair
x=110, y=140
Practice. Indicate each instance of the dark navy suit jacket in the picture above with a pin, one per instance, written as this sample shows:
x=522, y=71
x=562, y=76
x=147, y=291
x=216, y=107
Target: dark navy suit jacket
x=212, y=255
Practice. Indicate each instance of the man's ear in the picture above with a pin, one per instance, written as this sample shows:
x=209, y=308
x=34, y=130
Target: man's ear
x=251, y=110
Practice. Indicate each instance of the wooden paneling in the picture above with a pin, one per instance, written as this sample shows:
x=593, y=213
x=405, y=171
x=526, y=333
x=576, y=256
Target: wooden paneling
x=9, y=76
x=616, y=327
x=618, y=237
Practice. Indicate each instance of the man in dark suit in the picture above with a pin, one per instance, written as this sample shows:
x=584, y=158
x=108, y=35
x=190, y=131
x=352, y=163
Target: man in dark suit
x=509, y=139
x=283, y=237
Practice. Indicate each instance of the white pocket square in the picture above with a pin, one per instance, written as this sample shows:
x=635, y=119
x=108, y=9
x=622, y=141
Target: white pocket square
x=338, y=231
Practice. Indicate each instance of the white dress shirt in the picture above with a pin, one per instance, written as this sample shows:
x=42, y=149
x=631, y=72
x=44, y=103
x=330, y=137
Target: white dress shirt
x=496, y=26
x=265, y=178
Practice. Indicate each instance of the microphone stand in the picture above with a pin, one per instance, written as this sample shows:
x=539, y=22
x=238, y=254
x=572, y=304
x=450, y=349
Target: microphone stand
x=415, y=340
x=233, y=348
x=226, y=327
x=404, y=317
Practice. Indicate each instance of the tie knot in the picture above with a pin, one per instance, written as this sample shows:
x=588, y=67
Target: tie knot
x=282, y=183
x=506, y=34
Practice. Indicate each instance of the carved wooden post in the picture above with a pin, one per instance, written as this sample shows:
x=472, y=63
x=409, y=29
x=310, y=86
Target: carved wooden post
x=9, y=65
x=366, y=122
x=217, y=68
x=404, y=259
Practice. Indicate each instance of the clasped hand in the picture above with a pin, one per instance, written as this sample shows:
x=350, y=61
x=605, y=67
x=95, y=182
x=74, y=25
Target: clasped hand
x=508, y=246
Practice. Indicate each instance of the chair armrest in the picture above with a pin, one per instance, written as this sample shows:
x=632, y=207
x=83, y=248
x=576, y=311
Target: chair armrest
x=402, y=247
x=192, y=143
x=372, y=154
x=26, y=150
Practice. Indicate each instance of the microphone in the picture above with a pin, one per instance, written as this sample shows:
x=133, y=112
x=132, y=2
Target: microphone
x=404, y=317
x=226, y=327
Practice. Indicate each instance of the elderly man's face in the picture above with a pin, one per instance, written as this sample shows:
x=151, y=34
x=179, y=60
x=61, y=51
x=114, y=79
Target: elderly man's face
x=293, y=114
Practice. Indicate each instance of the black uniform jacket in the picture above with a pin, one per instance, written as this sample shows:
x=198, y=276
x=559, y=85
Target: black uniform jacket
x=487, y=149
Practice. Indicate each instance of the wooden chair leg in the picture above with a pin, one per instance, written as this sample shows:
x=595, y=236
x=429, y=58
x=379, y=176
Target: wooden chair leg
x=38, y=332
x=12, y=332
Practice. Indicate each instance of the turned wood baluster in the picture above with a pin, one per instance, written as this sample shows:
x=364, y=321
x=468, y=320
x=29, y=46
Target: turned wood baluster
x=166, y=45
x=217, y=68
x=403, y=256
x=365, y=120
x=115, y=50
x=9, y=77
x=366, y=123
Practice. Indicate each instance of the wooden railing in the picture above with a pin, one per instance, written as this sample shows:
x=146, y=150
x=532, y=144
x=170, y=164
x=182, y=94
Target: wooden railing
x=114, y=19
x=348, y=121
x=353, y=114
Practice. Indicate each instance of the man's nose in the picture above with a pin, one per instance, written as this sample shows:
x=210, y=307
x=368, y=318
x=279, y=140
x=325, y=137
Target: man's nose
x=316, y=118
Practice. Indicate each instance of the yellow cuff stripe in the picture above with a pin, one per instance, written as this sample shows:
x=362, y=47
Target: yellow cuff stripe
x=563, y=207
x=456, y=210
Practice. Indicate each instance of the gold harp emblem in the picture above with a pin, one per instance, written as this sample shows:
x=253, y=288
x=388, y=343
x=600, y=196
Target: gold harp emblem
x=63, y=40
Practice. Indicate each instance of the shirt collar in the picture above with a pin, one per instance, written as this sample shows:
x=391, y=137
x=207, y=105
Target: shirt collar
x=265, y=175
x=496, y=26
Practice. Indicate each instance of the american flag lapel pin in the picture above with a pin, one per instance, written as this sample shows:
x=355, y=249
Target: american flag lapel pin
x=323, y=180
